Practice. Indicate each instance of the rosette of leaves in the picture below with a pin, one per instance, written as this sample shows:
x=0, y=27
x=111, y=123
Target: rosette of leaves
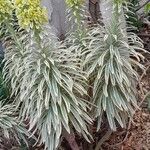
x=51, y=91
x=111, y=69
x=48, y=89
x=10, y=126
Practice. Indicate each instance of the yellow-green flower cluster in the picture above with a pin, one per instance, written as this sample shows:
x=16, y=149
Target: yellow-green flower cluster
x=6, y=9
x=30, y=14
x=74, y=3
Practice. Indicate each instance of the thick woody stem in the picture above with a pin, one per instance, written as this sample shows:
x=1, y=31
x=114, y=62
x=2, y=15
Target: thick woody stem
x=71, y=140
x=94, y=10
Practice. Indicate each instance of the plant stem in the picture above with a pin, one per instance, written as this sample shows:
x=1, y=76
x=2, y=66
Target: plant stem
x=71, y=140
x=103, y=139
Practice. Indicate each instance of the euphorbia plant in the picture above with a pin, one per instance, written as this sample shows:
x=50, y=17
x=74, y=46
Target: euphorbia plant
x=45, y=78
x=112, y=70
x=10, y=125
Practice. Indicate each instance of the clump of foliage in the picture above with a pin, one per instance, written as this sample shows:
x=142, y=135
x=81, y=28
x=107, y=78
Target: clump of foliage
x=112, y=72
x=10, y=125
